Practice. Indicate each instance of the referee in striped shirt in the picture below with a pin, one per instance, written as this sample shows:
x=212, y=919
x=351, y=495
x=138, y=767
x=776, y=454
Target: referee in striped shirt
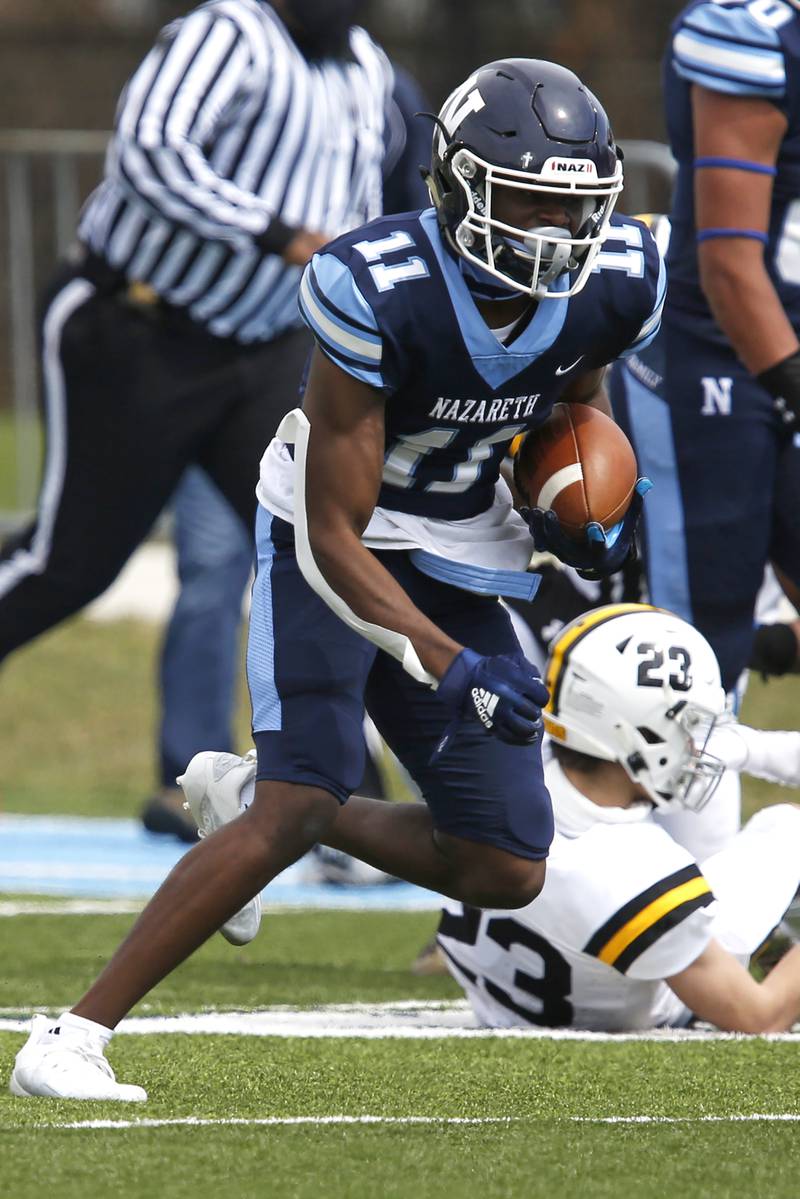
x=250, y=135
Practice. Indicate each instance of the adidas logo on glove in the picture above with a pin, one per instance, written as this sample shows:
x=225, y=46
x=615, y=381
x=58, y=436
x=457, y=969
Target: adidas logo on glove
x=508, y=704
x=485, y=703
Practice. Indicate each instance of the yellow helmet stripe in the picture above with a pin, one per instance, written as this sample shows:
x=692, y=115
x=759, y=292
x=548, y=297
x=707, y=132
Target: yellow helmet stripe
x=572, y=635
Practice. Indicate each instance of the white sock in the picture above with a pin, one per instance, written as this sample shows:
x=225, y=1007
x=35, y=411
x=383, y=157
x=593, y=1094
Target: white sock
x=80, y=1024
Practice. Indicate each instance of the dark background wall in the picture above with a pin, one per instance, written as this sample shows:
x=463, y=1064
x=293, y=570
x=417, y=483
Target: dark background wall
x=63, y=62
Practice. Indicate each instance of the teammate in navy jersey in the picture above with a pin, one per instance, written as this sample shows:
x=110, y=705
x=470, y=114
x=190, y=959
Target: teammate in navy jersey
x=385, y=535
x=729, y=350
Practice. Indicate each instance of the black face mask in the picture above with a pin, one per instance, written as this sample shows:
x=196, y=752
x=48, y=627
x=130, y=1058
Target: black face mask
x=320, y=27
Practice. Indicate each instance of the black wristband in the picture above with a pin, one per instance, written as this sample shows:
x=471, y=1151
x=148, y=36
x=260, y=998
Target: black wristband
x=275, y=237
x=782, y=381
x=774, y=649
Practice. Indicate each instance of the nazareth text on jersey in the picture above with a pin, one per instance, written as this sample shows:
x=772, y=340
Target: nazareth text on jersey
x=389, y=305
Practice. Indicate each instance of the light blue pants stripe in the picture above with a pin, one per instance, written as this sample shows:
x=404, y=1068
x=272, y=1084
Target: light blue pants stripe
x=665, y=534
x=264, y=697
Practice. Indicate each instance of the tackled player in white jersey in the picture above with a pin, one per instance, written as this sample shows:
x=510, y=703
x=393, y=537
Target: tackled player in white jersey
x=630, y=931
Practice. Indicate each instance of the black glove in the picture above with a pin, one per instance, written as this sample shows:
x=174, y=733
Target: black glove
x=276, y=237
x=602, y=553
x=774, y=650
x=782, y=381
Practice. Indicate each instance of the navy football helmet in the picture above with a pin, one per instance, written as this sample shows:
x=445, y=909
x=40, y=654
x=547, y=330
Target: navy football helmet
x=523, y=125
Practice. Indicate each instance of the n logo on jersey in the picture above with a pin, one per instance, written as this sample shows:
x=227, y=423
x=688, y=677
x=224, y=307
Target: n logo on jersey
x=717, y=397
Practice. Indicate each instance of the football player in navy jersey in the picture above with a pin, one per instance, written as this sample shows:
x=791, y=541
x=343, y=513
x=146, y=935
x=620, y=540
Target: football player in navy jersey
x=729, y=351
x=386, y=536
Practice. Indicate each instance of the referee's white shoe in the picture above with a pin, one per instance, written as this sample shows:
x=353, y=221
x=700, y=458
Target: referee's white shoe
x=64, y=1059
x=213, y=784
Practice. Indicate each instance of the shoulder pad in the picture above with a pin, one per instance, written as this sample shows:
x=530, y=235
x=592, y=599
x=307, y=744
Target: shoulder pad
x=732, y=49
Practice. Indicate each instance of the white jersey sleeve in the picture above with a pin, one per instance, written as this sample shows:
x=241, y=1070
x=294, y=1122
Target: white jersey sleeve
x=640, y=901
x=755, y=878
x=623, y=908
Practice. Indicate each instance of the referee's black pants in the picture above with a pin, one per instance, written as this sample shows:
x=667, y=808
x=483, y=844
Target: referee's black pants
x=132, y=396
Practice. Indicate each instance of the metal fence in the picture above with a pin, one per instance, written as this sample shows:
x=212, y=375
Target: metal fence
x=46, y=176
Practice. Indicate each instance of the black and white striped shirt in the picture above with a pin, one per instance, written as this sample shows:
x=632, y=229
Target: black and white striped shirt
x=224, y=127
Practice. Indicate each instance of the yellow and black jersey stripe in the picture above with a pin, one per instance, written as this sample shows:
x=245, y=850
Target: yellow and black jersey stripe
x=639, y=924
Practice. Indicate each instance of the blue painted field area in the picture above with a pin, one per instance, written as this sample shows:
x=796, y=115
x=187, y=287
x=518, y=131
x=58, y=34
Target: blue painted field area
x=80, y=857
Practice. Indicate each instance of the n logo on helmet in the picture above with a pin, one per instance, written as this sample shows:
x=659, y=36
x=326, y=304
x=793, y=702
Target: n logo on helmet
x=463, y=102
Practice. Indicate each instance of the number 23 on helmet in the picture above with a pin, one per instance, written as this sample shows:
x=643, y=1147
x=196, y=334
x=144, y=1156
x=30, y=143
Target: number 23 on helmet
x=637, y=685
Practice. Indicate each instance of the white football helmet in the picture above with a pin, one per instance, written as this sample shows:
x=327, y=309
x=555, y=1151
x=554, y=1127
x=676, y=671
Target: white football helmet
x=637, y=685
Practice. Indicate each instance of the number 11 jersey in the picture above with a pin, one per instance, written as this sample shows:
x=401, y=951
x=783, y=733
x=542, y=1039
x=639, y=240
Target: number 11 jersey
x=389, y=305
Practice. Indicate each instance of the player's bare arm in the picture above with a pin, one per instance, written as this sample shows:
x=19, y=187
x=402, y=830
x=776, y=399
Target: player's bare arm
x=718, y=988
x=732, y=271
x=345, y=461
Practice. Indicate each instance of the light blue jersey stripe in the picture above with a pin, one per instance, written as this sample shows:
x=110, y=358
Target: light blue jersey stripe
x=731, y=25
x=496, y=362
x=483, y=580
x=350, y=344
x=651, y=430
x=266, y=702
x=653, y=323
x=723, y=66
x=336, y=283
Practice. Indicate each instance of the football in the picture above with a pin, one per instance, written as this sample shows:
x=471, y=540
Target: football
x=580, y=464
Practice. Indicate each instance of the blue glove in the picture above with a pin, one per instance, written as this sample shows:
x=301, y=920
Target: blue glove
x=504, y=693
x=602, y=552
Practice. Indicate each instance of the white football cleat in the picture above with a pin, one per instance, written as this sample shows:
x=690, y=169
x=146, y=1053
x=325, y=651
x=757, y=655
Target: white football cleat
x=213, y=784
x=60, y=1061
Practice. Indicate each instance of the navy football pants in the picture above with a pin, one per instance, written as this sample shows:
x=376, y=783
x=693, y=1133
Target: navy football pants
x=310, y=677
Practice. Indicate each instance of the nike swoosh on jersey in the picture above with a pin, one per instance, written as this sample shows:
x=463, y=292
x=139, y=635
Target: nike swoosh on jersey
x=563, y=370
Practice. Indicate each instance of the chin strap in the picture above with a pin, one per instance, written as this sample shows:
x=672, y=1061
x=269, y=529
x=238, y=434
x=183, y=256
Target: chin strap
x=484, y=286
x=295, y=429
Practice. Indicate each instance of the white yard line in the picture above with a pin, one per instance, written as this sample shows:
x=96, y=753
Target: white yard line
x=202, y=1121
x=272, y=1121
x=70, y=907
x=381, y=1021
x=772, y=1117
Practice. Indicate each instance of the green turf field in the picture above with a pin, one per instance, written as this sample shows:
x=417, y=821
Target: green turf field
x=76, y=731
x=20, y=452
x=534, y=1103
